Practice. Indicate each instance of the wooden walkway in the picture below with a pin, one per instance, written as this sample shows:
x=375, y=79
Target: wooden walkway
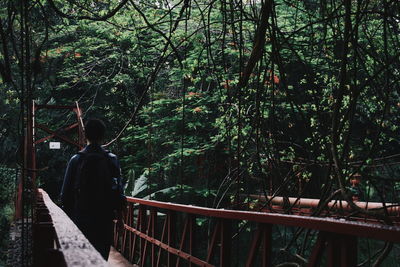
x=115, y=259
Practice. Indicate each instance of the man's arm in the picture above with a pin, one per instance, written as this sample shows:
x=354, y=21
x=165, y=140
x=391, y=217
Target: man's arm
x=117, y=175
x=67, y=190
x=121, y=210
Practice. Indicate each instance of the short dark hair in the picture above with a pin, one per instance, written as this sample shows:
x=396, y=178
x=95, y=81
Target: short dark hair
x=95, y=130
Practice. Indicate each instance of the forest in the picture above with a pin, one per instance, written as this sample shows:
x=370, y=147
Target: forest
x=211, y=102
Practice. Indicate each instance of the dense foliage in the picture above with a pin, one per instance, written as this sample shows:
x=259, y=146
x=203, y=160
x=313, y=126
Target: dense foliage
x=7, y=184
x=212, y=101
x=286, y=99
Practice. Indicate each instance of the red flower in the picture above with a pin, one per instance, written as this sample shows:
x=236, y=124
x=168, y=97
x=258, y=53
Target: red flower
x=197, y=109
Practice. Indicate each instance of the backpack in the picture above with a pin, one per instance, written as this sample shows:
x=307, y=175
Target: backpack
x=97, y=185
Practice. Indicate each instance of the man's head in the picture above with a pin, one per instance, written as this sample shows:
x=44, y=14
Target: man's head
x=95, y=130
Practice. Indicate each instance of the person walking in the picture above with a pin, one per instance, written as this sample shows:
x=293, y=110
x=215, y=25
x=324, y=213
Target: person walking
x=92, y=194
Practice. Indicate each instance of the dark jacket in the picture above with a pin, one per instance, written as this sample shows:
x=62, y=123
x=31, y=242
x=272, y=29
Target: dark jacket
x=67, y=191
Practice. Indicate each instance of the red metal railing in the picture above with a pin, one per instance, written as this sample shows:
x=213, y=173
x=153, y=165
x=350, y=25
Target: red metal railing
x=333, y=208
x=157, y=232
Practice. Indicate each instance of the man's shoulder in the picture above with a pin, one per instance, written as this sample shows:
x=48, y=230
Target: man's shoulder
x=75, y=158
x=111, y=155
x=87, y=153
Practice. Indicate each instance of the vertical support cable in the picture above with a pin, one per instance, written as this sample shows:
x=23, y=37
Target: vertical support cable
x=181, y=169
x=239, y=117
x=150, y=140
x=24, y=136
x=81, y=126
x=29, y=186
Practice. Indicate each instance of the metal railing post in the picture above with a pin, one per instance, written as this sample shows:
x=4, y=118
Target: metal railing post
x=226, y=243
x=142, y=228
x=171, y=237
x=267, y=245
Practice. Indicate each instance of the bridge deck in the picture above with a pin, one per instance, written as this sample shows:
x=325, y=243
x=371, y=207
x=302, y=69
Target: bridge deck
x=115, y=259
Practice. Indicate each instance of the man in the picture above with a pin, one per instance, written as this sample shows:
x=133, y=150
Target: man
x=91, y=194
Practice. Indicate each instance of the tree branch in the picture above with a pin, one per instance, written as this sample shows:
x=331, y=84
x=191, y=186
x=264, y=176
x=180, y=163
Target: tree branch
x=97, y=18
x=259, y=42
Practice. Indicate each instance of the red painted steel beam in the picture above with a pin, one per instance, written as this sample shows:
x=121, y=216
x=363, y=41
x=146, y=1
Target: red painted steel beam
x=78, y=112
x=213, y=242
x=171, y=259
x=333, y=250
x=170, y=249
x=72, y=126
x=54, y=107
x=142, y=228
x=254, y=247
x=317, y=251
x=348, y=251
x=226, y=243
x=162, y=239
x=382, y=232
x=65, y=139
x=392, y=208
x=267, y=245
x=192, y=222
x=183, y=239
x=153, y=216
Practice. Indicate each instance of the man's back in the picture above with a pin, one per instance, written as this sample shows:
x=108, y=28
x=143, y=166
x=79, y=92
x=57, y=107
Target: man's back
x=93, y=185
x=86, y=194
x=92, y=191
x=90, y=183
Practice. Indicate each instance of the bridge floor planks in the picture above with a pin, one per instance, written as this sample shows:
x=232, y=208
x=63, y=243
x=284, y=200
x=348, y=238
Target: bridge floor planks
x=115, y=259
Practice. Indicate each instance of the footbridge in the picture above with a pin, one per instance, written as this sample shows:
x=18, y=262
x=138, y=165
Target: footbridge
x=168, y=234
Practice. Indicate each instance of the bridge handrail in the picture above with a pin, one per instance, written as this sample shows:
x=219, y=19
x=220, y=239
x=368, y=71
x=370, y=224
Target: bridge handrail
x=360, y=229
x=63, y=237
